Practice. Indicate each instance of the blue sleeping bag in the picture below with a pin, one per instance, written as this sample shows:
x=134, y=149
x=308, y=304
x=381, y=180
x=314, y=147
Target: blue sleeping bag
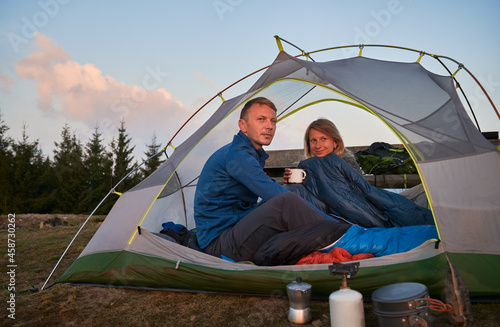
x=384, y=241
x=334, y=187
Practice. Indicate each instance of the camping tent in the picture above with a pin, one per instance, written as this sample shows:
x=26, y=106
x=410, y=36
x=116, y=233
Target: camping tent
x=422, y=108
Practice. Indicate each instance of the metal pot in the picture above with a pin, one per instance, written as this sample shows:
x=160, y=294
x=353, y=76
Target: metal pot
x=402, y=305
x=299, y=294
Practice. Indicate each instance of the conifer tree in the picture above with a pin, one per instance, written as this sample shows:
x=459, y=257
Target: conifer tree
x=98, y=165
x=26, y=174
x=6, y=168
x=45, y=201
x=152, y=164
x=123, y=160
x=68, y=165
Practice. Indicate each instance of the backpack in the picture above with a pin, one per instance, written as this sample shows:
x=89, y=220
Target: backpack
x=382, y=158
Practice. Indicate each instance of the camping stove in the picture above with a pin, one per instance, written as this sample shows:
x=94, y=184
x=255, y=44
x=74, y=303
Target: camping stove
x=346, y=305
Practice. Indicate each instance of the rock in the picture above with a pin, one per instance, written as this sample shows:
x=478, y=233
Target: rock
x=52, y=222
x=317, y=323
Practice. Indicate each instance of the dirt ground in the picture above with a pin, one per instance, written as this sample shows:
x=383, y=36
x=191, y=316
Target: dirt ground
x=38, y=250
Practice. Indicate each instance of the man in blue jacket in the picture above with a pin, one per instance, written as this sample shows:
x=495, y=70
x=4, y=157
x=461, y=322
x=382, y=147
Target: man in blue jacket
x=282, y=228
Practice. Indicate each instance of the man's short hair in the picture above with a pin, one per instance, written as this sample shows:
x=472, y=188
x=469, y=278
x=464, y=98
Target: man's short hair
x=259, y=100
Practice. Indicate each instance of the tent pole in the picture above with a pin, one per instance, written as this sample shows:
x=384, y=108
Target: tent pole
x=461, y=90
x=85, y=222
x=70, y=243
x=484, y=91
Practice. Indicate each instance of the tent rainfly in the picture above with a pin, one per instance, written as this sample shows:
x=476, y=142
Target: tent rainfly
x=424, y=111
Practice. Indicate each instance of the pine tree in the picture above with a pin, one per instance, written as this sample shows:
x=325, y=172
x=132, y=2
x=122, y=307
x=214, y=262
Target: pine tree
x=123, y=158
x=45, y=202
x=98, y=164
x=6, y=169
x=152, y=164
x=26, y=179
x=68, y=165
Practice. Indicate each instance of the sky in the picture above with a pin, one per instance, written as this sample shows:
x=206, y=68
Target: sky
x=152, y=64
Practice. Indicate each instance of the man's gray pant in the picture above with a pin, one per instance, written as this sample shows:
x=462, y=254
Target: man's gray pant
x=280, y=231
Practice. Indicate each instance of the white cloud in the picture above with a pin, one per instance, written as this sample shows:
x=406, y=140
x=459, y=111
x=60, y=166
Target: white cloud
x=80, y=92
x=207, y=81
x=5, y=82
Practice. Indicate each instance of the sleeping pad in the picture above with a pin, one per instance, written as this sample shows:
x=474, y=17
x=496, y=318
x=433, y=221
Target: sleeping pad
x=334, y=187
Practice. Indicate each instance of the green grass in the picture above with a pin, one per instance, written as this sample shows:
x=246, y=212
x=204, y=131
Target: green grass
x=37, y=251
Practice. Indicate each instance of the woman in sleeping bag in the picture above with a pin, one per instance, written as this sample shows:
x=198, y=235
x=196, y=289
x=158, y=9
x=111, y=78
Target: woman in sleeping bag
x=334, y=184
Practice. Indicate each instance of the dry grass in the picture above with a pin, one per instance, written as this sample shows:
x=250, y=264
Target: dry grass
x=37, y=251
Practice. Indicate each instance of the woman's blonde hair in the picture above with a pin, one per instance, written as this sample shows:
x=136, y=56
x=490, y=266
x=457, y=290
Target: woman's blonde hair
x=328, y=128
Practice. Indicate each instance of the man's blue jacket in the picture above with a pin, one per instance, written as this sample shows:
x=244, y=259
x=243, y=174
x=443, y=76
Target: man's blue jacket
x=229, y=186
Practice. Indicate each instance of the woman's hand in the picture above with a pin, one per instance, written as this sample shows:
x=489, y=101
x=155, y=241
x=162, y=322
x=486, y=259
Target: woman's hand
x=287, y=174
